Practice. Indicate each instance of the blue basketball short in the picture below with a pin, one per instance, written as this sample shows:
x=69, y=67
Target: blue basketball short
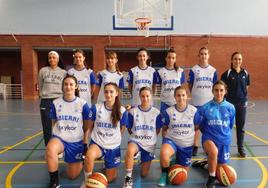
x=73, y=151
x=163, y=106
x=183, y=154
x=223, y=152
x=145, y=155
x=112, y=157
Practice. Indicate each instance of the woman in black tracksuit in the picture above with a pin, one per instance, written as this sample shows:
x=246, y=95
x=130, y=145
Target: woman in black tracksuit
x=237, y=80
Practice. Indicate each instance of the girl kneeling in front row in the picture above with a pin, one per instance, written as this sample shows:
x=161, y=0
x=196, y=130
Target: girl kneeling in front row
x=108, y=121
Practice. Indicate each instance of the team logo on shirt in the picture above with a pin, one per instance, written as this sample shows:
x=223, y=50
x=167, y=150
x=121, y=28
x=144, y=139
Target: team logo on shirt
x=174, y=117
x=90, y=114
x=137, y=117
x=59, y=109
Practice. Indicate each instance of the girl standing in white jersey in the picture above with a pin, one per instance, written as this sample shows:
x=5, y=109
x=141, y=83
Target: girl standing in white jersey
x=70, y=117
x=201, y=79
x=140, y=76
x=110, y=74
x=85, y=77
x=169, y=77
x=108, y=121
x=143, y=127
x=178, y=133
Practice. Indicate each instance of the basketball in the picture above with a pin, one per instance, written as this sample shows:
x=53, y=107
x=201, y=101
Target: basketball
x=226, y=174
x=177, y=174
x=97, y=180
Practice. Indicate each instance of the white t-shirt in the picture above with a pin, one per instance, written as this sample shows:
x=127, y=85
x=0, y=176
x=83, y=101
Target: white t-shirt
x=104, y=133
x=169, y=80
x=143, y=125
x=69, y=116
x=140, y=78
x=180, y=125
x=85, y=79
x=105, y=77
x=202, y=80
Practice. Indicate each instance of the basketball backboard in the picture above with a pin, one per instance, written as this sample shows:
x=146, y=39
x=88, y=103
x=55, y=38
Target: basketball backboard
x=127, y=11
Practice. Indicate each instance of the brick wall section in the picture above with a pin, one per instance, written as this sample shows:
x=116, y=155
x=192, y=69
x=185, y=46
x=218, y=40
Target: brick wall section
x=254, y=50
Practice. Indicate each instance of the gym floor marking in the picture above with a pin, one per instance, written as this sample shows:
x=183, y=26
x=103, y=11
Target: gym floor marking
x=21, y=142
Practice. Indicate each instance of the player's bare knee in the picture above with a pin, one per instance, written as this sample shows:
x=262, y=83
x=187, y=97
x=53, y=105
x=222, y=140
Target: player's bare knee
x=72, y=176
x=111, y=178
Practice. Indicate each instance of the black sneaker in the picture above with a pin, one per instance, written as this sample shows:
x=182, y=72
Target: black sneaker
x=195, y=149
x=200, y=164
x=54, y=185
x=242, y=153
x=128, y=182
x=211, y=182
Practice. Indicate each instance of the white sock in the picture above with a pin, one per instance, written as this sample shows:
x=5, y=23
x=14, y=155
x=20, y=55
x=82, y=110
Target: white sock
x=212, y=174
x=129, y=172
x=87, y=174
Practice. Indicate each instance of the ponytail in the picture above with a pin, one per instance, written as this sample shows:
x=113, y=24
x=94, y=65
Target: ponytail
x=116, y=110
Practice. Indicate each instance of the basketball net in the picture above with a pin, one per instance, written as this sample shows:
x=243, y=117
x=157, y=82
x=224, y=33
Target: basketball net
x=143, y=26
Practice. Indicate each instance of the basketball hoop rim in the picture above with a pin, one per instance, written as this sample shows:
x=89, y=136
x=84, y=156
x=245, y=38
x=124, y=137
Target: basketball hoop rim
x=143, y=20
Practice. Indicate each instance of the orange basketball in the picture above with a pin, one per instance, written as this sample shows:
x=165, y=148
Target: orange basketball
x=226, y=174
x=97, y=180
x=177, y=174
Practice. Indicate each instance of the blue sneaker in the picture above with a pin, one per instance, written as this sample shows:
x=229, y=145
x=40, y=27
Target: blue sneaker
x=163, y=180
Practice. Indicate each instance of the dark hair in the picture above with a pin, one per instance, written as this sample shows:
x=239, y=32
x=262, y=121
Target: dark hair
x=180, y=88
x=113, y=54
x=76, y=92
x=79, y=51
x=116, y=111
x=145, y=88
x=220, y=82
x=232, y=56
x=60, y=63
x=203, y=48
x=144, y=49
x=172, y=50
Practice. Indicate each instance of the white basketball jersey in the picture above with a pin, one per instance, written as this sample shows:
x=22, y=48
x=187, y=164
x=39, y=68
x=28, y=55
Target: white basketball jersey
x=105, y=77
x=84, y=83
x=141, y=78
x=170, y=79
x=69, y=118
x=203, y=79
x=104, y=133
x=143, y=125
x=180, y=125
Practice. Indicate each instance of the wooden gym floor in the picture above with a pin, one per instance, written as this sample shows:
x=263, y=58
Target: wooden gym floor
x=22, y=150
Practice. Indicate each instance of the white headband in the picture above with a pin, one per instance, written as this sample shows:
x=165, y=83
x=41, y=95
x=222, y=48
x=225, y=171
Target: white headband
x=55, y=53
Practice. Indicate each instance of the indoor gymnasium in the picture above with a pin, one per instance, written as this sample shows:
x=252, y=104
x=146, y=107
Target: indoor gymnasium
x=172, y=93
